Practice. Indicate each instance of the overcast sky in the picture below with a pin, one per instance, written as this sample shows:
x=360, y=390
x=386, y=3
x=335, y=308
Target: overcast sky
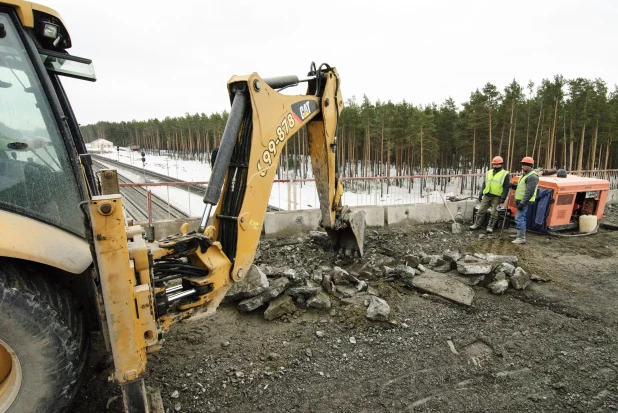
x=157, y=59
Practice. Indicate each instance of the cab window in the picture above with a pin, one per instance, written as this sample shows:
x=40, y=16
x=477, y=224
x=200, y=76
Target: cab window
x=36, y=177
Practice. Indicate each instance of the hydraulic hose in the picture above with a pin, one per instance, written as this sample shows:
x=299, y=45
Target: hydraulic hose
x=224, y=155
x=556, y=234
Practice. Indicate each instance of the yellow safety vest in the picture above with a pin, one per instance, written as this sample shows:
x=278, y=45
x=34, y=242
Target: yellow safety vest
x=521, y=187
x=494, y=182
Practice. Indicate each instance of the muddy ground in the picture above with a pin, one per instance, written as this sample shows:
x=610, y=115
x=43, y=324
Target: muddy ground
x=552, y=347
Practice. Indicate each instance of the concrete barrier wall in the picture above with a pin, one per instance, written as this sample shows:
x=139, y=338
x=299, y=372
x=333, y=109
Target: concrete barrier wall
x=172, y=227
x=612, y=196
x=374, y=215
x=428, y=213
x=284, y=223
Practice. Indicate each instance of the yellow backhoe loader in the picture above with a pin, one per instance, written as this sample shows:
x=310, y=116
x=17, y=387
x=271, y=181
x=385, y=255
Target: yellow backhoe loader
x=70, y=264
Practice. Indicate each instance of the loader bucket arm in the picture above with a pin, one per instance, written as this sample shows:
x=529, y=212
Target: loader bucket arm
x=261, y=122
x=345, y=228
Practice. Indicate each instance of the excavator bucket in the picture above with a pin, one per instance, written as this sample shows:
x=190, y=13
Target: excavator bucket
x=349, y=238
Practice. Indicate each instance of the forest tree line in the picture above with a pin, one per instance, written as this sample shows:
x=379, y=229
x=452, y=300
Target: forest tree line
x=562, y=123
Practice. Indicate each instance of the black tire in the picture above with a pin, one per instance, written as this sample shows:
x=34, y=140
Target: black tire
x=41, y=323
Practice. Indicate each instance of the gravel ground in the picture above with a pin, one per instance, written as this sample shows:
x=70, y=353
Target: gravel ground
x=551, y=347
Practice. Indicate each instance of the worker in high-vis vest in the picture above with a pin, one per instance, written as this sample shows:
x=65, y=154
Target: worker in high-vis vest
x=493, y=193
x=525, y=195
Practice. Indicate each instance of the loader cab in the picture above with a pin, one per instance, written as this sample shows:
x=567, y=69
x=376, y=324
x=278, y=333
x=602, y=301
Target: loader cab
x=40, y=141
x=45, y=259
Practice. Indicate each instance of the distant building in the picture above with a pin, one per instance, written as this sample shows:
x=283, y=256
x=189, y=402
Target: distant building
x=100, y=145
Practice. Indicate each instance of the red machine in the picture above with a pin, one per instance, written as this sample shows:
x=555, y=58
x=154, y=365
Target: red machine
x=572, y=197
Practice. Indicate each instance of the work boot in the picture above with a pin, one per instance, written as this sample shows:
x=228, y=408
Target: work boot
x=491, y=225
x=521, y=237
x=478, y=223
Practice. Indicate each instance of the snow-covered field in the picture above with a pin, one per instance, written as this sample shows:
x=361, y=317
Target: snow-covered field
x=288, y=195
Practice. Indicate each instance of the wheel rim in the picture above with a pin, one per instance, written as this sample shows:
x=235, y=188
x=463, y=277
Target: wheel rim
x=10, y=376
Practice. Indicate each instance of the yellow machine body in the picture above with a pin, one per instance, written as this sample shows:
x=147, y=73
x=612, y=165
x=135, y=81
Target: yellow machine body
x=138, y=293
x=25, y=11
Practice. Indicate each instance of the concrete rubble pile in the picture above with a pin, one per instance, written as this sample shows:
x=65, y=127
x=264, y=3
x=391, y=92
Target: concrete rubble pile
x=284, y=291
x=451, y=275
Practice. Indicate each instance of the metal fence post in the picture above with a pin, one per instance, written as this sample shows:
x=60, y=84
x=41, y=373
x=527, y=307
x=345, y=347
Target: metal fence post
x=149, y=208
x=289, y=196
x=169, y=212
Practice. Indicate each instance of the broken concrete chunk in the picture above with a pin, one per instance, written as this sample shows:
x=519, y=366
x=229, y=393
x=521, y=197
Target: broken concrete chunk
x=321, y=301
x=316, y=276
x=366, y=274
x=379, y=260
x=506, y=268
x=305, y=290
x=412, y=260
x=277, y=286
x=473, y=268
x=372, y=291
x=280, y=306
x=361, y=286
x=435, y=261
x=325, y=269
x=289, y=273
x=405, y=271
x=318, y=235
x=469, y=279
x=327, y=284
x=500, y=276
x=346, y=291
x=301, y=301
x=340, y=276
x=479, y=256
x=378, y=309
x=498, y=287
x=302, y=274
x=268, y=270
x=254, y=283
x=424, y=258
x=451, y=256
x=421, y=268
x=446, y=267
x=536, y=277
x=386, y=271
x=408, y=282
x=444, y=286
x=520, y=280
x=320, y=238
x=495, y=259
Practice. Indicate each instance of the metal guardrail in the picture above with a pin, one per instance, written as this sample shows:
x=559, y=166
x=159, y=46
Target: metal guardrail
x=298, y=194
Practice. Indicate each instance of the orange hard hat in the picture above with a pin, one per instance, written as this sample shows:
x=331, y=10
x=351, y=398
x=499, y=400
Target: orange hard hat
x=528, y=159
x=497, y=159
